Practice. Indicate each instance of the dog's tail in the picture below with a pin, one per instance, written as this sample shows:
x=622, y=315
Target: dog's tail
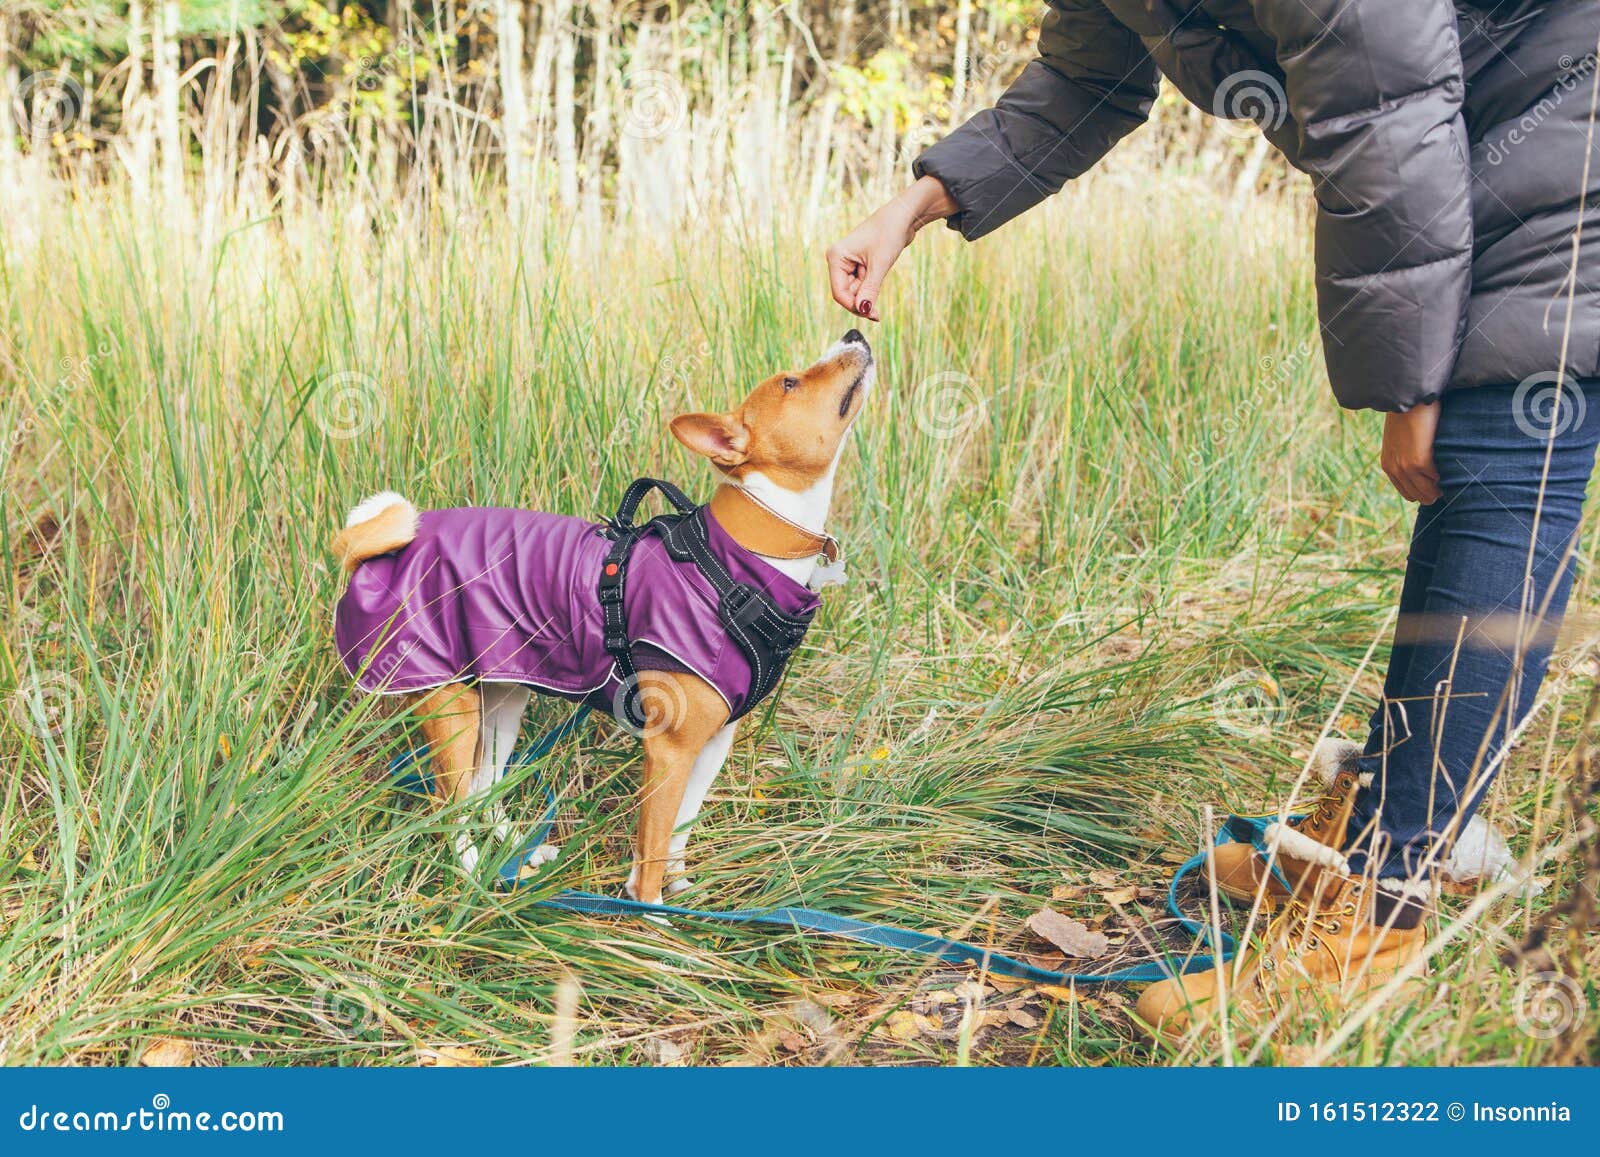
x=375, y=526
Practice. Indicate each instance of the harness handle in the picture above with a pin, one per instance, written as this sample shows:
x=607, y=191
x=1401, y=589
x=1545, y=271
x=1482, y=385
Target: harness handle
x=622, y=521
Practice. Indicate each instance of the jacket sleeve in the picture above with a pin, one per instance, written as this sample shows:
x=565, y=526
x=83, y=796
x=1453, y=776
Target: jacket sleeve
x=1375, y=87
x=1092, y=85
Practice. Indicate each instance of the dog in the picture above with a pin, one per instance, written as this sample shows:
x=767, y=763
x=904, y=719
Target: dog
x=466, y=612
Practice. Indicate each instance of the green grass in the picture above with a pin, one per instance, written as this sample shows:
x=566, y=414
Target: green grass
x=1101, y=483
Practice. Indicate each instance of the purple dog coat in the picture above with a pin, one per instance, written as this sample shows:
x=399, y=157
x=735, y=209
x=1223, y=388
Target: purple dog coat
x=510, y=596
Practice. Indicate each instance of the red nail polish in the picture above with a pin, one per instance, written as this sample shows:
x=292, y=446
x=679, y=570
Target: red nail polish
x=865, y=309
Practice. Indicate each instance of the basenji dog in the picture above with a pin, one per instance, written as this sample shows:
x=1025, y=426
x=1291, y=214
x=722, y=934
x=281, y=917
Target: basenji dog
x=466, y=612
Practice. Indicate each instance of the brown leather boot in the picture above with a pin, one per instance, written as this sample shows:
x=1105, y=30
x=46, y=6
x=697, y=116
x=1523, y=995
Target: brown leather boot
x=1323, y=951
x=1305, y=846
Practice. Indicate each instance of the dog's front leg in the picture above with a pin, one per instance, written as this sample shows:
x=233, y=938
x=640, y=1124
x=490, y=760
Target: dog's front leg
x=707, y=766
x=682, y=715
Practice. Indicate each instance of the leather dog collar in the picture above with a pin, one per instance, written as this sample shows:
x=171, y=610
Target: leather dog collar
x=757, y=527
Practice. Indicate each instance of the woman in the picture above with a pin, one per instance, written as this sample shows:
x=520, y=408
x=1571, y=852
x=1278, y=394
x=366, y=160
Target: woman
x=1446, y=144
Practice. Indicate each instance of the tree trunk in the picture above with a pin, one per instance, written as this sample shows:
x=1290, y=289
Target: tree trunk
x=962, y=65
x=169, y=123
x=544, y=51
x=566, y=112
x=597, y=137
x=513, y=103
x=9, y=80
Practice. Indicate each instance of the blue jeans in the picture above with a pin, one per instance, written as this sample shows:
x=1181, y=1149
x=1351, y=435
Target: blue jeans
x=1478, y=617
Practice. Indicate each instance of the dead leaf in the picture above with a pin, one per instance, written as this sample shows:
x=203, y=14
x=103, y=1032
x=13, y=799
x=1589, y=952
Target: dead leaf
x=1067, y=995
x=1069, y=891
x=1024, y=1019
x=1120, y=896
x=449, y=1057
x=791, y=1042
x=906, y=1026
x=1104, y=878
x=1009, y=983
x=1067, y=934
x=666, y=1052
x=832, y=998
x=168, y=1053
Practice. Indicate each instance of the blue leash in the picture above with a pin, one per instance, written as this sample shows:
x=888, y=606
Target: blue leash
x=411, y=774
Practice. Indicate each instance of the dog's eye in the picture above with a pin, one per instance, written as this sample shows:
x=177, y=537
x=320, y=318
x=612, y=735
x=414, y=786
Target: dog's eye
x=790, y=383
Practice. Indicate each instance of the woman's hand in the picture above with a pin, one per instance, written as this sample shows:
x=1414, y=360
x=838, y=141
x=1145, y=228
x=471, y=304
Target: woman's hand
x=1407, y=455
x=858, y=264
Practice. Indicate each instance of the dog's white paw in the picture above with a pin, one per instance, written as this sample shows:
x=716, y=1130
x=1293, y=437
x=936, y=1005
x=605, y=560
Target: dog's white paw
x=543, y=854
x=467, y=853
x=679, y=885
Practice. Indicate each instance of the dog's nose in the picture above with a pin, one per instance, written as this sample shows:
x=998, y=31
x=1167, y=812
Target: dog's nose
x=854, y=337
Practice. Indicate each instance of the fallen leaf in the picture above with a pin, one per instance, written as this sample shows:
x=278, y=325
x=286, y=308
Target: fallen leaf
x=1069, y=891
x=666, y=1053
x=1067, y=934
x=1120, y=896
x=902, y=1026
x=449, y=1057
x=1023, y=1019
x=1067, y=995
x=1050, y=963
x=168, y=1053
x=1008, y=983
x=832, y=998
x=1104, y=878
x=791, y=1042
x=906, y=1026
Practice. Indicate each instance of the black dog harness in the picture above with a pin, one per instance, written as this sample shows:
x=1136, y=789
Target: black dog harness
x=763, y=632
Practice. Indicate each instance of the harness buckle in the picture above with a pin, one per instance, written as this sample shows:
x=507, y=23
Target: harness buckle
x=611, y=588
x=616, y=641
x=737, y=601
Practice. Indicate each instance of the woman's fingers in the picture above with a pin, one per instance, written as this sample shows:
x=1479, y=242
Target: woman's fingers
x=1407, y=456
x=1427, y=485
x=844, y=276
x=867, y=295
x=1416, y=481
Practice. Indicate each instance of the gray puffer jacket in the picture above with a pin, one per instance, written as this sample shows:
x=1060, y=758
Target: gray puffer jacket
x=1445, y=141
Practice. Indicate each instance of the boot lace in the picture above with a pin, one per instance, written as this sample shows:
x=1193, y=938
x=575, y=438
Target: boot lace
x=1302, y=928
x=1330, y=802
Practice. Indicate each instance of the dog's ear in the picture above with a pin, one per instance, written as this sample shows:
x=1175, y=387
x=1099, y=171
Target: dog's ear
x=723, y=438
